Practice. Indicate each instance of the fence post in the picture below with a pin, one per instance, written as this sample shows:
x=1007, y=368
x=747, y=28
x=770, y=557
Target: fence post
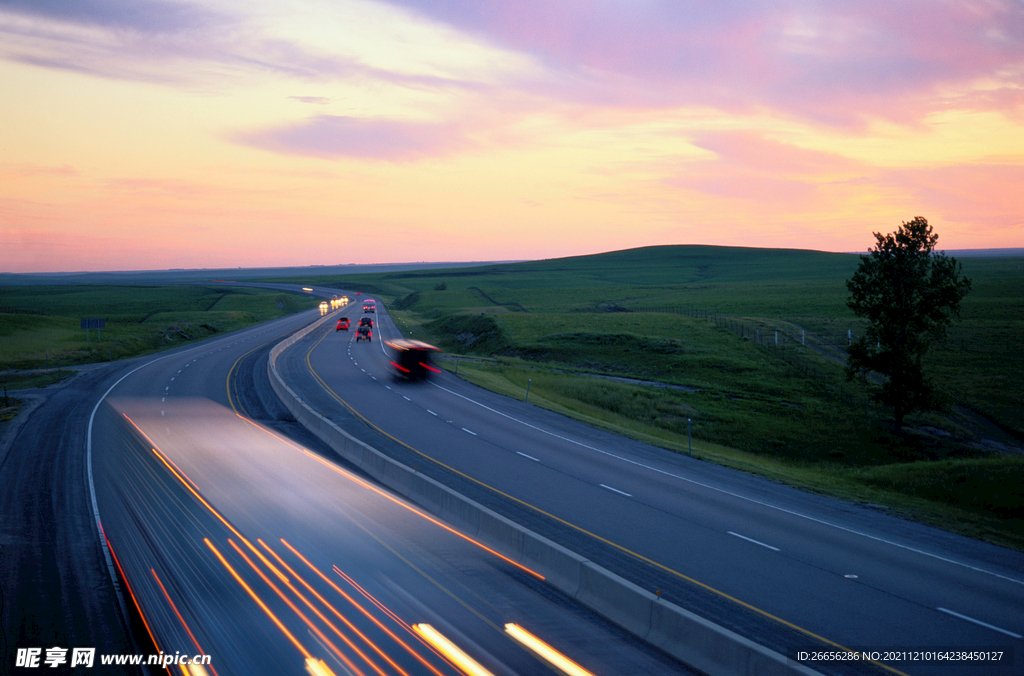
x=689, y=439
x=527, y=399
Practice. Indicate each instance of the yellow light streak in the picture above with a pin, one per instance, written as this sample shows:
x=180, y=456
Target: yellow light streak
x=317, y=668
x=464, y=662
x=545, y=652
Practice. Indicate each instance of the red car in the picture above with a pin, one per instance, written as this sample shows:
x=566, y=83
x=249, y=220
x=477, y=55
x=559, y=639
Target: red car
x=343, y=324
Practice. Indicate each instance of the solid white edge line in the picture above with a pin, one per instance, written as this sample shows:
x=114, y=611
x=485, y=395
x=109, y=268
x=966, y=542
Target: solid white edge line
x=736, y=495
x=980, y=623
x=744, y=537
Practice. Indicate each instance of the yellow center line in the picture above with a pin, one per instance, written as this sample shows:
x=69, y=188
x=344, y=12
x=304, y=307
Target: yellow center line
x=579, y=529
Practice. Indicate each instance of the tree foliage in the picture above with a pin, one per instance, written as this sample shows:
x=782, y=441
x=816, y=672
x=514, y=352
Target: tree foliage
x=910, y=294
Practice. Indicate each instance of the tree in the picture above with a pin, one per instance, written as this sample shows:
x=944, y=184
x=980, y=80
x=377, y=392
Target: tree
x=910, y=294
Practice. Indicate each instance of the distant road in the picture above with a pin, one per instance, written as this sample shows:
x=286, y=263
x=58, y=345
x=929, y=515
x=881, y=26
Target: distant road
x=781, y=566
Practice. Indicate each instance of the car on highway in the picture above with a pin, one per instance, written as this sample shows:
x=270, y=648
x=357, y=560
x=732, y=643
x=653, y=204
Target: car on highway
x=364, y=333
x=343, y=324
x=369, y=306
x=412, y=359
x=366, y=321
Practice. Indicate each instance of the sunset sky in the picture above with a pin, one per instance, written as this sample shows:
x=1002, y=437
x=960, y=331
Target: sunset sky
x=153, y=134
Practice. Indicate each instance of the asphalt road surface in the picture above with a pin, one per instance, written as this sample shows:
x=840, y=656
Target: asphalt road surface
x=233, y=534
x=790, y=570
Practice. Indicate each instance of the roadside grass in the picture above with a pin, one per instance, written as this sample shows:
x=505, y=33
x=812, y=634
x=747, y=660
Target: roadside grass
x=40, y=325
x=705, y=318
x=34, y=379
x=9, y=408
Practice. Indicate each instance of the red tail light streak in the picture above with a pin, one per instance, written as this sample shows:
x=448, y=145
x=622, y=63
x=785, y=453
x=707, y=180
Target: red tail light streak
x=182, y=620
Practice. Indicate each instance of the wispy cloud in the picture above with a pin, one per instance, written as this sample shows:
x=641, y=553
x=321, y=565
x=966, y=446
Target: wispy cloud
x=333, y=136
x=316, y=100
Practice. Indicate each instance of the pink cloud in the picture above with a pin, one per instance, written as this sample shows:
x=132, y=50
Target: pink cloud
x=751, y=151
x=332, y=136
x=834, y=63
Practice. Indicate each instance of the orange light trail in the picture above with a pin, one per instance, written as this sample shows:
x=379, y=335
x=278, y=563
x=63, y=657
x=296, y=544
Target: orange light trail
x=387, y=611
x=295, y=609
x=372, y=599
x=127, y=586
x=180, y=618
x=152, y=443
x=330, y=624
x=188, y=483
x=363, y=610
x=258, y=600
x=396, y=501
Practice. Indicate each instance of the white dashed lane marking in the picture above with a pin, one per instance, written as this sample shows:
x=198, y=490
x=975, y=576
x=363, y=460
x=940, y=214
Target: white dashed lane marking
x=744, y=537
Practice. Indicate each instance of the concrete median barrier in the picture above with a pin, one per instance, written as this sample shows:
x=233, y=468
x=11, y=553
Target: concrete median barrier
x=693, y=640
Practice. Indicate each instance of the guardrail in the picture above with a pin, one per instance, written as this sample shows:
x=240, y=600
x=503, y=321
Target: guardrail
x=689, y=638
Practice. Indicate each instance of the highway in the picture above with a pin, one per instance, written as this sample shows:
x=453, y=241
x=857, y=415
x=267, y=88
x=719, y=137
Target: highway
x=785, y=568
x=237, y=536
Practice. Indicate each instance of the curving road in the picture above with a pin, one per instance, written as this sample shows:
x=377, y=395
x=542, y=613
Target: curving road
x=785, y=568
x=239, y=537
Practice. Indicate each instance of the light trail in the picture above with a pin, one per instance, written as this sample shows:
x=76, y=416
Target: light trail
x=464, y=662
x=364, y=611
x=180, y=618
x=295, y=609
x=258, y=600
x=339, y=615
x=545, y=652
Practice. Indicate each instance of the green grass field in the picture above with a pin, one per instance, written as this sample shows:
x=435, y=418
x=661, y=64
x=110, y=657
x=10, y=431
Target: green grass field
x=40, y=326
x=704, y=320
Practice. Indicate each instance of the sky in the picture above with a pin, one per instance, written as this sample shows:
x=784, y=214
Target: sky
x=156, y=134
